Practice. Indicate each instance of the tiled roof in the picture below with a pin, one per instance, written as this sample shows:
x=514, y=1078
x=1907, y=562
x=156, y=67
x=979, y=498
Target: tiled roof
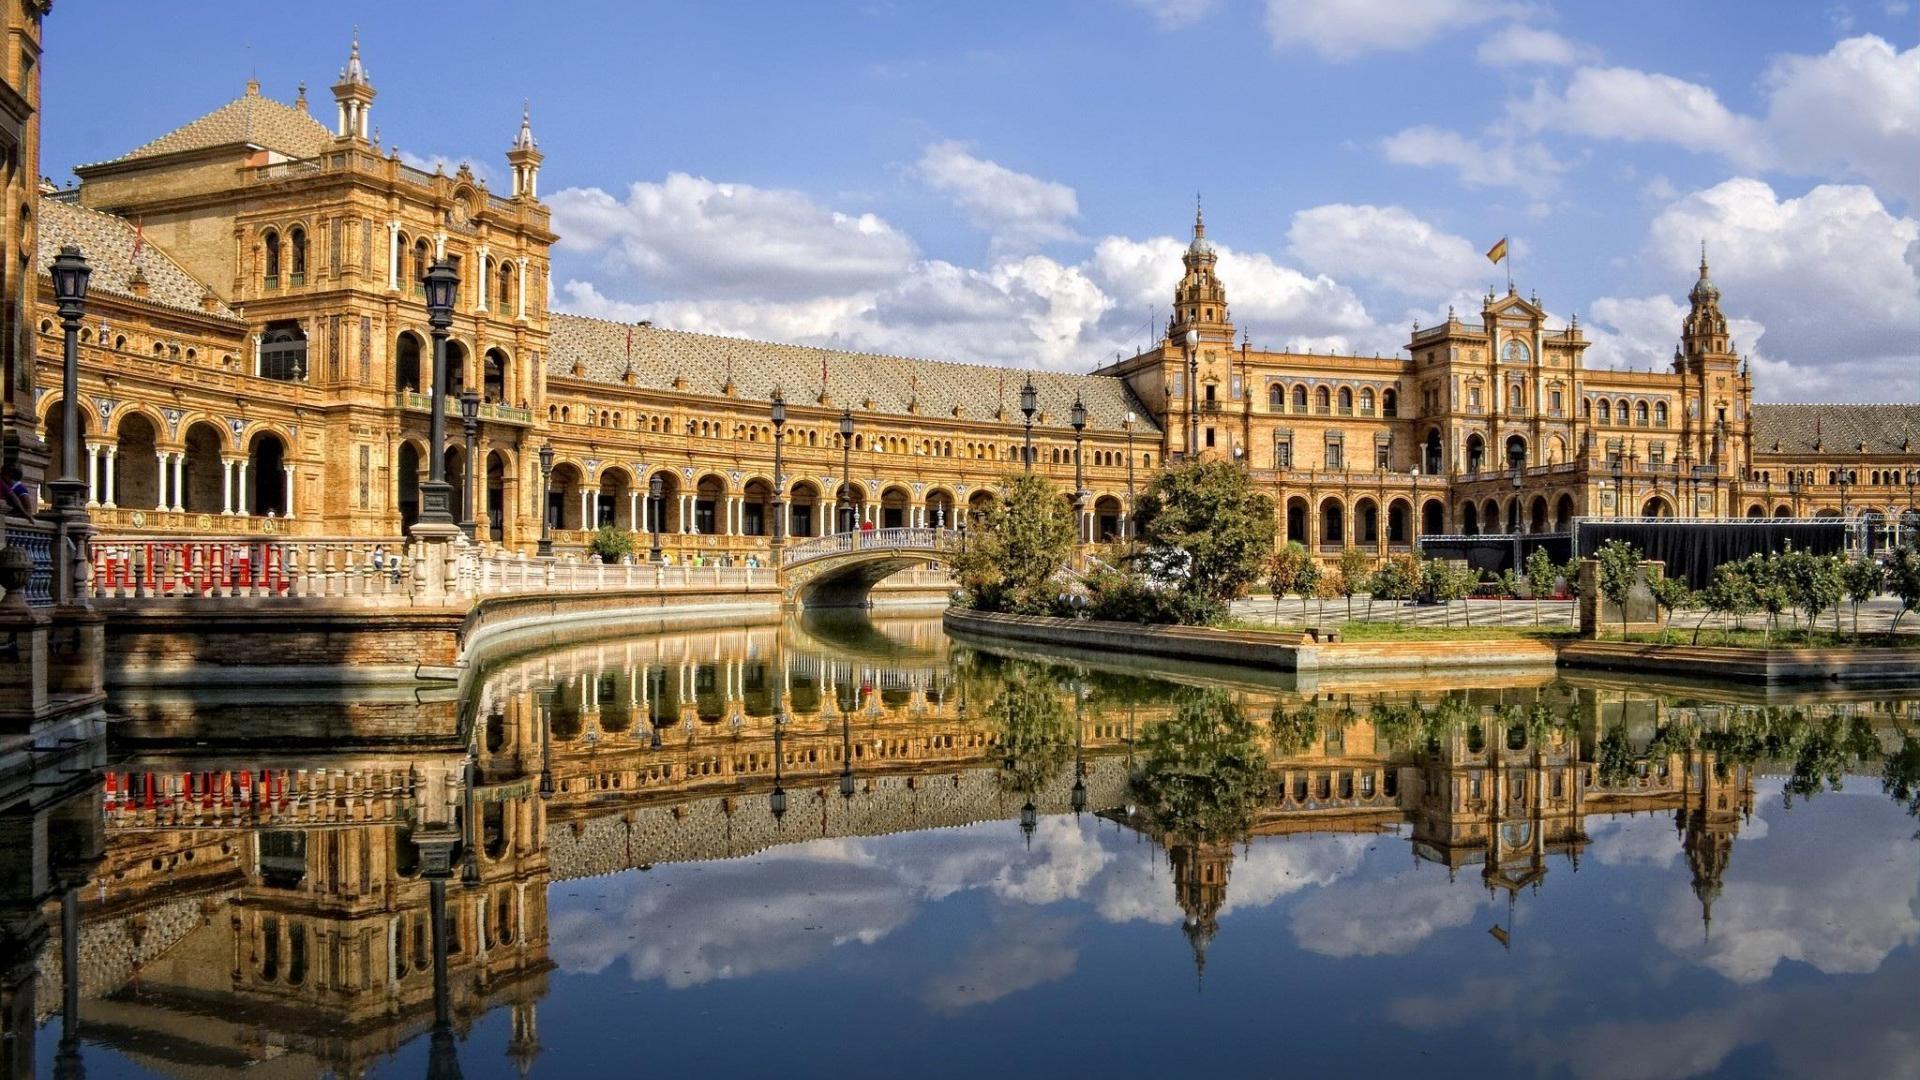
x=660, y=356
x=250, y=118
x=1839, y=428
x=107, y=242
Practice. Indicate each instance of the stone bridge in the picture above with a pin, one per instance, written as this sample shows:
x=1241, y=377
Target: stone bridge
x=838, y=570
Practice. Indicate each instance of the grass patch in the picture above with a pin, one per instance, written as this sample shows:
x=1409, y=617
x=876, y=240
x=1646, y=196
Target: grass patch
x=1394, y=631
x=1784, y=638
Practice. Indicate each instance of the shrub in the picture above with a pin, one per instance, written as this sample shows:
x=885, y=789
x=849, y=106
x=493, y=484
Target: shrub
x=610, y=543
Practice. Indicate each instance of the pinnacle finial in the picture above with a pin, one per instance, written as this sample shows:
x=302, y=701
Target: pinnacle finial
x=355, y=72
x=1703, y=256
x=1199, y=217
x=524, y=140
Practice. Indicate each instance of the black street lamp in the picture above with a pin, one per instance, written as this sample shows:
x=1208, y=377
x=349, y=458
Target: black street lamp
x=655, y=511
x=777, y=802
x=1029, y=403
x=846, y=469
x=1079, y=753
x=779, y=410
x=1193, y=391
x=545, y=695
x=1029, y=820
x=1413, y=526
x=70, y=273
x=1077, y=416
x=470, y=421
x=436, y=517
x=546, y=501
x=846, y=756
x=1619, y=492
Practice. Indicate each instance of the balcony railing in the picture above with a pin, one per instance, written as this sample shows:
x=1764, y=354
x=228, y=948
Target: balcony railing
x=416, y=401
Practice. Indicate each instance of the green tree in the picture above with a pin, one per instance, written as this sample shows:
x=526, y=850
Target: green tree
x=1398, y=578
x=1448, y=582
x=1286, y=570
x=1770, y=592
x=1863, y=578
x=1729, y=595
x=1202, y=770
x=1208, y=531
x=1540, y=572
x=1035, y=736
x=1669, y=595
x=1903, y=581
x=1013, y=554
x=610, y=543
x=1353, y=573
x=1814, y=583
x=1619, y=572
x=1312, y=578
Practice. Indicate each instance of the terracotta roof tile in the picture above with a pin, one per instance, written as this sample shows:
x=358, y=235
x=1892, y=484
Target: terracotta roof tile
x=660, y=356
x=251, y=118
x=107, y=241
x=1839, y=428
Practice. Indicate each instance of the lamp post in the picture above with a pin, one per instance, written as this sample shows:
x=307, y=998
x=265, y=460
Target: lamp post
x=1029, y=402
x=777, y=801
x=1079, y=794
x=1193, y=391
x=1619, y=491
x=846, y=756
x=545, y=550
x=846, y=468
x=655, y=486
x=1128, y=423
x=70, y=273
x=436, y=518
x=545, y=695
x=779, y=410
x=470, y=420
x=1078, y=417
x=1413, y=525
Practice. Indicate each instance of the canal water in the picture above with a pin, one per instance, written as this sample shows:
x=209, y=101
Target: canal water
x=853, y=847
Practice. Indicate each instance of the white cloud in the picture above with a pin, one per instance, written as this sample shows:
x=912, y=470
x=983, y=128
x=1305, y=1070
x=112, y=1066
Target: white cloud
x=1341, y=30
x=1519, y=45
x=1013, y=207
x=1388, y=245
x=1640, y=106
x=1496, y=162
x=692, y=233
x=1383, y=917
x=1173, y=14
x=1263, y=294
x=1854, y=110
x=1834, y=275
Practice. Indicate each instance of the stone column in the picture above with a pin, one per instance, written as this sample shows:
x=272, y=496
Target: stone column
x=287, y=481
x=93, y=473
x=393, y=256
x=226, y=487
x=109, y=480
x=633, y=509
x=480, y=293
x=180, y=481
x=161, y=476
x=241, y=504
x=521, y=313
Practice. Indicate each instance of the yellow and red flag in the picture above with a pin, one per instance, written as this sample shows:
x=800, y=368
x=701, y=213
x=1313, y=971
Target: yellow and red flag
x=1497, y=251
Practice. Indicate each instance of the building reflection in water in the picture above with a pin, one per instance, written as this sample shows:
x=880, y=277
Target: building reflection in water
x=321, y=907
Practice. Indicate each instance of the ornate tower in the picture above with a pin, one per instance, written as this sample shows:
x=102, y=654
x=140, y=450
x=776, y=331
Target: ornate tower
x=1718, y=388
x=354, y=96
x=1200, y=872
x=1200, y=301
x=524, y=158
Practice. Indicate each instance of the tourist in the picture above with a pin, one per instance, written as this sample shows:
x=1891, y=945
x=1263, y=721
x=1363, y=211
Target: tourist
x=19, y=499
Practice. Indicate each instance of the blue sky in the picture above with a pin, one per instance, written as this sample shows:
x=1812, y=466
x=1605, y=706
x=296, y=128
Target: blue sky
x=1009, y=182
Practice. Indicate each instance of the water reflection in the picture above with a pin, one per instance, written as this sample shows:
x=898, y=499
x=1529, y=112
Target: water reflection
x=858, y=813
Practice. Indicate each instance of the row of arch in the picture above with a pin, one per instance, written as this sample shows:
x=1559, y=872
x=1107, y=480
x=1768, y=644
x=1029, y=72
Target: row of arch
x=1874, y=477
x=1630, y=413
x=145, y=472
x=413, y=366
x=1326, y=400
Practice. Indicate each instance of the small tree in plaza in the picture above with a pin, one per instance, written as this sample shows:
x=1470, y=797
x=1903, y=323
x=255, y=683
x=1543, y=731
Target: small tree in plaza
x=1398, y=578
x=1863, y=579
x=1903, y=581
x=1353, y=575
x=1309, y=584
x=1448, y=583
x=1011, y=557
x=1619, y=571
x=1208, y=533
x=1729, y=595
x=1287, y=568
x=1669, y=595
x=1540, y=572
x=1770, y=592
x=1813, y=583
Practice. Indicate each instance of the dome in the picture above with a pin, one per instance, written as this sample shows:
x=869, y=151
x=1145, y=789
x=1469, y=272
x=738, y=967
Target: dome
x=1705, y=289
x=1200, y=246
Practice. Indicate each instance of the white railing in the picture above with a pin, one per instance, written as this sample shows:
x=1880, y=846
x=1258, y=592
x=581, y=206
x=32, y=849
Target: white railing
x=502, y=573
x=898, y=539
x=124, y=567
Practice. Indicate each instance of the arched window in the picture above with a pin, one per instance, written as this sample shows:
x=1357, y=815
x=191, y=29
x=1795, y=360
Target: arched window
x=1586, y=408
x=1659, y=414
x=1516, y=352
x=1300, y=399
x=1322, y=399
x=1640, y=414
x=1276, y=398
x=1366, y=403
x=506, y=287
x=1389, y=403
x=272, y=243
x=1606, y=411
x=297, y=252
x=1346, y=401
x=1516, y=397
x=420, y=266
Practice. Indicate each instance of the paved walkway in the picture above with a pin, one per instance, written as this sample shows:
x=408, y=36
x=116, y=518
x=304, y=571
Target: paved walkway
x=1875, y=615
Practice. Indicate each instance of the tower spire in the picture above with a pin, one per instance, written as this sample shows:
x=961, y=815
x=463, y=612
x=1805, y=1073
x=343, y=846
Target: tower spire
x=353, y=94
x=524, y=156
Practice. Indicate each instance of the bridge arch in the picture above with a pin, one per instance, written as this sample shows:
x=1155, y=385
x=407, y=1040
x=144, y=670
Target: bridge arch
x=840, y=569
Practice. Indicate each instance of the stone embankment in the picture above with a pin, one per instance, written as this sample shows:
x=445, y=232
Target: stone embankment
x=1307, y=657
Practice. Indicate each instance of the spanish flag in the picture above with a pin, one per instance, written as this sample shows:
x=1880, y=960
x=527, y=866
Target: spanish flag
x=1497, y=251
